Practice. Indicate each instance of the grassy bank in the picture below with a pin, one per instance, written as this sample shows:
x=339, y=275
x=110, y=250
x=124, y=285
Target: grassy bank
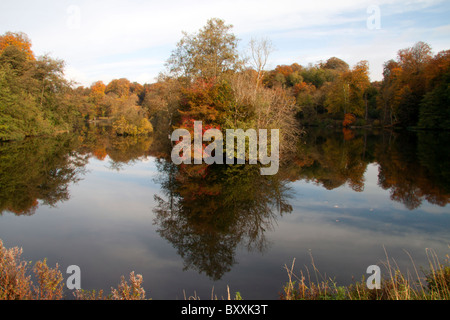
x=20, y=280
x=431, y=283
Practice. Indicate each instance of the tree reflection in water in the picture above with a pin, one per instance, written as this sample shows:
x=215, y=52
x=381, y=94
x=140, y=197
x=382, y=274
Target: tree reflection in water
x=207, y=211
x=41, y=170
x=38, y=169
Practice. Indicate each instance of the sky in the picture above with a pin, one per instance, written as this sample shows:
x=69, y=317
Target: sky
x=105, y=40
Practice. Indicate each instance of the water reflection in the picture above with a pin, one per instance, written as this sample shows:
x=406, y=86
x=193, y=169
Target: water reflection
x=332, y=159
x=413, y=167
x=38, y=169
x=207, y=212
x=42, y=169
x=100, y=142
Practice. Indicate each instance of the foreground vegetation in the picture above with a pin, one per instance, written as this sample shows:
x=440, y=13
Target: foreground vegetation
x=16, y=283
x=434, y=284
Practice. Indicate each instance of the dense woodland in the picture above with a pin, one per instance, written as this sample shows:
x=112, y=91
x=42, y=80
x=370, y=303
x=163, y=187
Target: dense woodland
x=207, y=79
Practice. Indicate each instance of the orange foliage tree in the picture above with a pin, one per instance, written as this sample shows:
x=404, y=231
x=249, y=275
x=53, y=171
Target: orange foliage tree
x=19, y=40
x=349, y=119
x=205, y=100
x=121, y=87
x=97, y=91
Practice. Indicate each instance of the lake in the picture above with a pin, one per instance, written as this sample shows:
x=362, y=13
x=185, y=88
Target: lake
x=111, y=205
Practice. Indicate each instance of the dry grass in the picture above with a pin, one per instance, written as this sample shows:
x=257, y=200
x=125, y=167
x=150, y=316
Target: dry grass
x=310, y=285
x=237, y=296
x=432, y=285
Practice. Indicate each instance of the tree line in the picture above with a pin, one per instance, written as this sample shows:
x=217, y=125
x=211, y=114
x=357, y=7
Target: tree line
x=207, y=79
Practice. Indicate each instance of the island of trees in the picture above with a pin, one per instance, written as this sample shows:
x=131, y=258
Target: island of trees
x=207, y=79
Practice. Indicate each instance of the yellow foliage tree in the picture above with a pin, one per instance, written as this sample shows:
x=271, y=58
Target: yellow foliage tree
x=347, y=94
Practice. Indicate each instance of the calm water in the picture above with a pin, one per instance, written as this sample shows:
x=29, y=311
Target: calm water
x=115, y=205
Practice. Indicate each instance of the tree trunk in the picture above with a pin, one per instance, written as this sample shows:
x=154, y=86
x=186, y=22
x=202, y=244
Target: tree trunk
x=367, y=107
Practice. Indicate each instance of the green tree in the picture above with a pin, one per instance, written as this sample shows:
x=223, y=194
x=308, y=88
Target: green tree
x=389, y=85
x=209, y=53
x=435, y=107
x=21, y=114
x=35, y=98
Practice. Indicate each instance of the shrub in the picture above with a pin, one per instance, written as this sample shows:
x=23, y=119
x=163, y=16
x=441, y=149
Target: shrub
x=16, y=284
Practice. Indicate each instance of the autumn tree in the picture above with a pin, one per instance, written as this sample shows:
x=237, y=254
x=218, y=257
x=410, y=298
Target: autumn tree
x=436, y=68
x=138, y=89
x=347, y=94
x=349, y=119
x=96, y=96
x=19, y=40
x=206, y=99
x=334, y=63
x=403, y=86
x=97, y=91
x=413, y=62
x=434, y=110
x=120, y=87
x=221, y=94
x=391, y=72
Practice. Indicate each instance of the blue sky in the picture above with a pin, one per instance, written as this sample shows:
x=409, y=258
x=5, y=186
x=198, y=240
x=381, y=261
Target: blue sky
x=104, y=40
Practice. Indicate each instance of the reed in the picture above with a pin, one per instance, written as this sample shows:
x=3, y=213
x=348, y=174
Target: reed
x=433, y=284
